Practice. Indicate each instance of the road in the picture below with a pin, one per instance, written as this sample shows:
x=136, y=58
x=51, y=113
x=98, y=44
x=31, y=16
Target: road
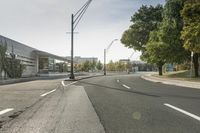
x=111, y=104
x=129, y=104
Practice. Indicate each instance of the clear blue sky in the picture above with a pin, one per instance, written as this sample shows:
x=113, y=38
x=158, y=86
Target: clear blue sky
x=43, y=24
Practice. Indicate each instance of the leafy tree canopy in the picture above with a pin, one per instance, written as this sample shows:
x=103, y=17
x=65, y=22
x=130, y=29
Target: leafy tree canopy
x=99, y=65
x=11, y=66
x=144, y=21
x=165, y=44
x=191, y=30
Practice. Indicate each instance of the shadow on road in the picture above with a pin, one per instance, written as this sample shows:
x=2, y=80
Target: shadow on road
x=108, y=87
x=140, y=93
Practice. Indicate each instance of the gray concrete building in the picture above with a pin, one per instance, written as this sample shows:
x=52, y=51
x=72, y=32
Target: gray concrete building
x=80, y=60
x=36, y=62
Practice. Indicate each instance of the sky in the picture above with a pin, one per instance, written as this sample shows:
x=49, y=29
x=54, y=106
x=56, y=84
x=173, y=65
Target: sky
x=43, y=24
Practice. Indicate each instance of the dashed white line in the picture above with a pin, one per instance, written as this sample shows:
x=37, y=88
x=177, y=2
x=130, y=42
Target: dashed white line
x=126, y=86
x=6, y=111
x=47, y=93
x=68, y=84
x=118, y=81
x=183, y=111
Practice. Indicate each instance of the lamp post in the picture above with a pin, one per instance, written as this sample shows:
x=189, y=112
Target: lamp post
x=104, y=68
x=105, y=51
x=129, y=62
x=191, y=64
x=75, y=19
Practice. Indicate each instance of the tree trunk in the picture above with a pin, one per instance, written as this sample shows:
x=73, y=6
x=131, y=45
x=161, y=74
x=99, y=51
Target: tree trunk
x=196, y=64
x=160, y=70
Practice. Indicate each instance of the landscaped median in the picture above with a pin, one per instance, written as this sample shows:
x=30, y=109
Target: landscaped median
x=176, y=78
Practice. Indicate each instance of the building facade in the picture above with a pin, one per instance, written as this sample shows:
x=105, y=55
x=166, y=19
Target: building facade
x=36, y=62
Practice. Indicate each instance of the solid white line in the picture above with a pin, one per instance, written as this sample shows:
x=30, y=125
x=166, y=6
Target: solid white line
x=183, y=111
x=47, y=93
x=68, y=84
x=126, y=86
x=6, y=111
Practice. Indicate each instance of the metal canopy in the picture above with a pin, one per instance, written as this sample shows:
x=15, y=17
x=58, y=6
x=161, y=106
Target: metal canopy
x=45, y=54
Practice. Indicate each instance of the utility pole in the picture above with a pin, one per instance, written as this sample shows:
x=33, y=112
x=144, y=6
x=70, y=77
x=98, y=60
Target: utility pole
x=75, y=19
x=72, y=48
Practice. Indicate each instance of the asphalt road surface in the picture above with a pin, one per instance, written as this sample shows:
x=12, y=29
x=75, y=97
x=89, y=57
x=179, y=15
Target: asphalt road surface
x=129, y=104
x=111, y=104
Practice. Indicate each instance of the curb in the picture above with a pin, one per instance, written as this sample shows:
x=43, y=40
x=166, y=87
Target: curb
x=83, y=78
x=180, y=83
x=21, y=80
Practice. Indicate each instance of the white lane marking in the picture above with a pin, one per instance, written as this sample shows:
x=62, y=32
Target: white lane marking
x=6, y=111
x=118, y=80
x=47, y=93
x=126, y=86
x=63, y=83
x=68, y=84
x=183, y=111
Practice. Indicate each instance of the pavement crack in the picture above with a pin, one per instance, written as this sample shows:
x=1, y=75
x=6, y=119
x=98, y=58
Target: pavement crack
x=1, y=124
x=16, y=114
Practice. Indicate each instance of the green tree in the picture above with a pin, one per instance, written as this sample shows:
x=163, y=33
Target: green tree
x=3, y=49
x=165, y=45
x=170, y=32
x=137, y=36
x=99, y=65
x=144, y=21
x=156, y=51
x=65, y=67
x=11, y=66
x=191, y=31
x=93, y=65
x=111, y=66
x=86, y=66
x=14, y=68
x=120, y=66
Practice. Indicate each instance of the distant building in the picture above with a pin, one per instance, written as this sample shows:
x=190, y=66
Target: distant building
x=80, y=60
x=169, y=67
x=124, y=61
x=36, y=61
x=142, y=66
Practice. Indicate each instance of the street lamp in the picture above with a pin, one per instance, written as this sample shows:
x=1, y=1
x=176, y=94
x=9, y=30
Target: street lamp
x=75, y=19
x=191, y=64
x=105, y=51
x=129, y=62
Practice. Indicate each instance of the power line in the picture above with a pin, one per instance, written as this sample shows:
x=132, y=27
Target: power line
x=80, y=16
x=81, y=8
x=80, y=11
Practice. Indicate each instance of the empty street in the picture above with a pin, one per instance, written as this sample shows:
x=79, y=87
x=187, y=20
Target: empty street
x=111, y=104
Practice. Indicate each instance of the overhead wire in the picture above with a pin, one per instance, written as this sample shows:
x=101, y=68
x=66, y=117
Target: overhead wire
x=81, y=14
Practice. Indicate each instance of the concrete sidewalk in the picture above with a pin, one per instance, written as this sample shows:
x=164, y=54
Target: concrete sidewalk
x=169, y=81
x=20, y=80
x=67, y=110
